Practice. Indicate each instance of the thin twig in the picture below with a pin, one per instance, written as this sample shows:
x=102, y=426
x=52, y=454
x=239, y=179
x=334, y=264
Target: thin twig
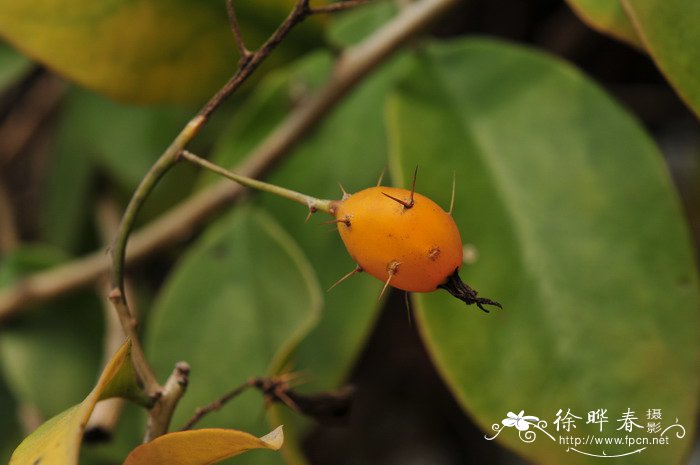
x=246, y=67
x=335, y=7
x=236, y=30
x=218, y=403
x=178, y=224
x=313, y=203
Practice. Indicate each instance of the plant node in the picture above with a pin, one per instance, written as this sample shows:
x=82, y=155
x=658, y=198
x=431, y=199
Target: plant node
x=312, y=209
x=392, y=268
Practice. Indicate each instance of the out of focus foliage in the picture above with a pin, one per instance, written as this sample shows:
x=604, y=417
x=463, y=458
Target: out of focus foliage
x=562, y=193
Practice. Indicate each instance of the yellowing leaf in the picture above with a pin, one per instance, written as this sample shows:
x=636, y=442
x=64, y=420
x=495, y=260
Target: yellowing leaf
x=669, y=29
x=607, y=17
x=201, y=446
x=57, y=442
x=145, y=51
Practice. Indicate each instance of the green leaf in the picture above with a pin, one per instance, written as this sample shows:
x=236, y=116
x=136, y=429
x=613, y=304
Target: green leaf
x=57, y=442
x=327, y=157
x=608, y=17
x=59, y=343
x=143, y=51
x=235, y=307
x=201, y=446
x=12, y=66
x=579, y=235
x=669, y=30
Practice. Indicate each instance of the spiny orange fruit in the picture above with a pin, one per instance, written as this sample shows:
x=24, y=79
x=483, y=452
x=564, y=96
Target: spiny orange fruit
x=405, y=240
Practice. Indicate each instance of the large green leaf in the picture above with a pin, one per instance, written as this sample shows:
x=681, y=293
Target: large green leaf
x=579, y=235
x=235, y=307
x=669, y=29
x=609, y=17
x=58, y=344
x=144, y=50
x=354, y=131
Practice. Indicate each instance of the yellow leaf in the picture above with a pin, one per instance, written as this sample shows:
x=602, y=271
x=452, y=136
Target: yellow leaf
x=141, y=51
x=57, y=442
x=201, y=446
x=608, y=17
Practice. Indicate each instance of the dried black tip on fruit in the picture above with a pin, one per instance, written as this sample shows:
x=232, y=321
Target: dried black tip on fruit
x=458, y=288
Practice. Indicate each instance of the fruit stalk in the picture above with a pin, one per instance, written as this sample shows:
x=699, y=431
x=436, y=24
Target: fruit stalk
x=312, y=203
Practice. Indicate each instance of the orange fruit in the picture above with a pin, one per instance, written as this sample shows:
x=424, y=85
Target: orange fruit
x=421, y=243
x=405, y=240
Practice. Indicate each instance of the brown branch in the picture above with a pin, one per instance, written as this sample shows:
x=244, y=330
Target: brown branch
x=322, y=406
x=335, y=7
x=236, y=30
x=162, y=412
x=181, y=222
x=201, y=412
x=247, y=66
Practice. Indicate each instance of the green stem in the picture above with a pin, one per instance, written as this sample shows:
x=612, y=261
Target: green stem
x=118, y=249
x=161, y=166
x=313, y=203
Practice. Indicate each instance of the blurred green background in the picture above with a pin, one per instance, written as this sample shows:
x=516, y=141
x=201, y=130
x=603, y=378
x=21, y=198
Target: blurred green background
x=576, y=167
